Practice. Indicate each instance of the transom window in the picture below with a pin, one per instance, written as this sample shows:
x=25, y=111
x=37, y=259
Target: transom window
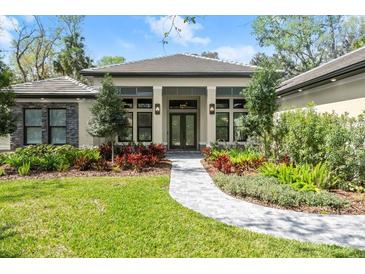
x=183, y=104
x=57, y=126
x=222, y=126
x=128, y=136
x=32, y=126
x=144, y=126
x=239, y=134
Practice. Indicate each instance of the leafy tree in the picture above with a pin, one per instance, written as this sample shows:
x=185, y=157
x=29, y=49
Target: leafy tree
x=304, y=42
x=108, y=115
x=261, y=102
x=7, y=100
x=110, y=60
x=34, y=48
x=72, y=58
x=358, y=43
x=210, y=54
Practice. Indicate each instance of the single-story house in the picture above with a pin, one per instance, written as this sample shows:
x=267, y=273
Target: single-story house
x=338, y=85
x=183, y=101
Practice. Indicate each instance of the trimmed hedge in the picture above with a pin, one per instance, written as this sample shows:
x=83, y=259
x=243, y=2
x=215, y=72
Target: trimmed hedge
x=268, y=189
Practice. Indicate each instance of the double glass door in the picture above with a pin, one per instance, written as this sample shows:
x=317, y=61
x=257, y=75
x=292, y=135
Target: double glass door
x=183, y=130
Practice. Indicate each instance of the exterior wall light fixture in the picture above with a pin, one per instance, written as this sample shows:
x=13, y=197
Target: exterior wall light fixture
x=211, y=109
x=157, y=109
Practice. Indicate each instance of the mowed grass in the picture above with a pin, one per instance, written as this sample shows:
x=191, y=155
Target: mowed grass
x=125, y=217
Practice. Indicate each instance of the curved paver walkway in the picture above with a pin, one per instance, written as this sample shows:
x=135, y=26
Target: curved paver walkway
x=191, y=186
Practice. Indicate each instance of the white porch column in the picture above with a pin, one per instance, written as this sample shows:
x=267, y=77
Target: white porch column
x=211, y=95
x=157, y=118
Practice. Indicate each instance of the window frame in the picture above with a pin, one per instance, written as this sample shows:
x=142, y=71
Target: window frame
x=139, y=127
x=130, y=126
x=25, y=127
x=49, y=127
x=234, y=127
x=227, y=126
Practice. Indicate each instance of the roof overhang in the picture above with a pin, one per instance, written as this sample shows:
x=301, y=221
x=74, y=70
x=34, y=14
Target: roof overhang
x=325, y=79
x=55, y=95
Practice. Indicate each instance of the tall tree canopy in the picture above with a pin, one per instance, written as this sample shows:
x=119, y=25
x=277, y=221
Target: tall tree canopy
x=108, y=115
x=34, y=49
x=110, y=60
x=304, y=42
x=261, y=98
x=7, y=100
x=72, y=58
x=210, y=54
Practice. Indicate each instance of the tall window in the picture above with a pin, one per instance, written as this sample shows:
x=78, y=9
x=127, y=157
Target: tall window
x=128, y=137
x=222, y=126
x=239, y=134
x=144, y=126
x=32, y=126
x=57, y=126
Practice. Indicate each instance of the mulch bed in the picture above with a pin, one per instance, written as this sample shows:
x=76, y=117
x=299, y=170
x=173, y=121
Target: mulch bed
x=162, y=168
x=357, y=200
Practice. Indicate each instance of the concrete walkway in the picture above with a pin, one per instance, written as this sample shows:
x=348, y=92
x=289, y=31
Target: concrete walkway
x=191, y=186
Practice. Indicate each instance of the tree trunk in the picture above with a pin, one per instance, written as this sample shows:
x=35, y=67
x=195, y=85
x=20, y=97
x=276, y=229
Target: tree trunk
x=112, y=144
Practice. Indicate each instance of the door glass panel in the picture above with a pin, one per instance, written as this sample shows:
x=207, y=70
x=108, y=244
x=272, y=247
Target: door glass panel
x=190, y=130
x=175, y=130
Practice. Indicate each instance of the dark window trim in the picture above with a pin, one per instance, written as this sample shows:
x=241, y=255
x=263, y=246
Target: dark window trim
x=234, y=127
x=227, y=126
x=138, y=127
x=144, y=99
x=49, y=127
x=26, y=127
x=131, y=126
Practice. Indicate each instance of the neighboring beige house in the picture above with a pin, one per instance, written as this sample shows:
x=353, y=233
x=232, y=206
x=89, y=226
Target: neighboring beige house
x=183, y=101
x=338, y=85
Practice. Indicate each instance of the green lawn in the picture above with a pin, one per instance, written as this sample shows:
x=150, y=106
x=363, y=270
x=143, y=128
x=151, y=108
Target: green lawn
x=125, y=217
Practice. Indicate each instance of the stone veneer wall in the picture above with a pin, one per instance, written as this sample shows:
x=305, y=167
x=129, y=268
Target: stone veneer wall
x=72, y=122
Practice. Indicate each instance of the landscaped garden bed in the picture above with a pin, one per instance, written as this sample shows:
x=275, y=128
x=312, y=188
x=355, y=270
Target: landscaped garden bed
x=44, y=161
x=314, y=163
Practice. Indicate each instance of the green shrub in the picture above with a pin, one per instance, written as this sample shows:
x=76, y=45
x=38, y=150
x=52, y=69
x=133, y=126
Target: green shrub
x=301, y=177
x=24, y=169
x=2, y=171
x=268, y=189
x=306, y=136
x=86, y=158
x=3, y=157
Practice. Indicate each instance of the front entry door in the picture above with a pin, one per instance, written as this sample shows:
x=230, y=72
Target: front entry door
x=183, y=131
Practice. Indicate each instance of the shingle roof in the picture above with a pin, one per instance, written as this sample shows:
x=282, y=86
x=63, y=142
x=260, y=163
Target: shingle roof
x=178, y=64
x=61, y=86
x=354, y=60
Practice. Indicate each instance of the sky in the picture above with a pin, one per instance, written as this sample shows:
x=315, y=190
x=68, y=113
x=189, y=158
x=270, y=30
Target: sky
x=139, y=37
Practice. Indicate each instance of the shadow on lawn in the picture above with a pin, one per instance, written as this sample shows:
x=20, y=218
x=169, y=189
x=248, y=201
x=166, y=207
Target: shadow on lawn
x=6, y=231
x=33, y=190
